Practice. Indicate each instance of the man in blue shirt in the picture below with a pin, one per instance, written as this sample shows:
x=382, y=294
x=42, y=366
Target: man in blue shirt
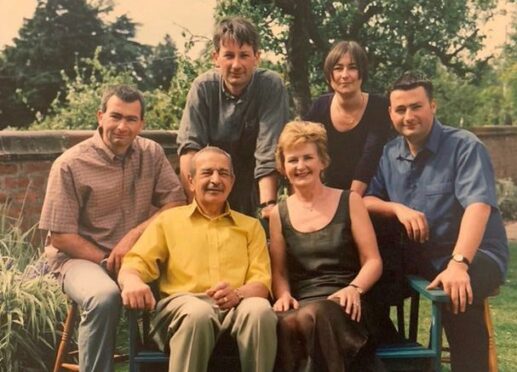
x=438, y=182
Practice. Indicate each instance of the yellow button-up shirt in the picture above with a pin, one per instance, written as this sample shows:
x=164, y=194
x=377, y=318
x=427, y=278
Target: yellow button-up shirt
x=191, y=252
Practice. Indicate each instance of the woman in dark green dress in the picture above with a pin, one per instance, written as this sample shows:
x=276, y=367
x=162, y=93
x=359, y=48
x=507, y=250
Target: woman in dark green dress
x=324, y=258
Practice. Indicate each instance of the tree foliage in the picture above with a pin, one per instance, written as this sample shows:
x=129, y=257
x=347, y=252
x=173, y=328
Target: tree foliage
x=509, y=75
x=77, y=107
x=489, y=98
x=46, y=44
x=162, y=64
x=398, y=35
x=60, y=35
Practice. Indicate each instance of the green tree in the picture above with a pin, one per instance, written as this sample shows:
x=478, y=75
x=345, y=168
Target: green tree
x=398, y=35
x=467, y=102
x=59, y=36
x=46, y=44
x=121, y=51
x=488, y=98
x=77, y=107
x=509, y=76
x=162, y=64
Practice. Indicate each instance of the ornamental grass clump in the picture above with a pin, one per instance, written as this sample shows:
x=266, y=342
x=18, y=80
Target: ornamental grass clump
x=32, y=305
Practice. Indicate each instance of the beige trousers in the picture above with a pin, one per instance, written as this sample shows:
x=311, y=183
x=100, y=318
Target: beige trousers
x=191, y=324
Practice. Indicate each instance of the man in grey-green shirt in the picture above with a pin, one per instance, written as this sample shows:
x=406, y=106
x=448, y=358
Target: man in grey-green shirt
x=241, y=109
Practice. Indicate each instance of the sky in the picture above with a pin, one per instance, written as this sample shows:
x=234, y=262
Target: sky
x=158, y=17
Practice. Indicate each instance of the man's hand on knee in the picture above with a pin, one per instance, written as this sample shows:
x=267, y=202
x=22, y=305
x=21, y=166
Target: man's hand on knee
x=455, y=281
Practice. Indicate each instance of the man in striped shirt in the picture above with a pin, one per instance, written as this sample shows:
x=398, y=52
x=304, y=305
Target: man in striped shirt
x=101, y=195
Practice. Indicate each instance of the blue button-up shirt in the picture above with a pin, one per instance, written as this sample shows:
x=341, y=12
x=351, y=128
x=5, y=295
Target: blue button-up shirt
x=451, y=172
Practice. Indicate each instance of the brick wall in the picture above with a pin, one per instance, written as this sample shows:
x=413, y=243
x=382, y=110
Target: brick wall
x=501, y=143
x=26, y=157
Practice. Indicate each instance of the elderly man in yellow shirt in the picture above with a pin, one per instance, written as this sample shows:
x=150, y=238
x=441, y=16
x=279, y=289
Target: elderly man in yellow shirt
x=213, y=271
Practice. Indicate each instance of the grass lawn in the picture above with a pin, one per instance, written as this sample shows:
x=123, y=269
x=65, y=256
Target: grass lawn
x=504, y=316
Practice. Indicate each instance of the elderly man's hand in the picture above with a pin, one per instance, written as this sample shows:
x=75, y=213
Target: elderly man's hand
x=455, y=281
x=414, y=222
x=224, y=295
x=136, y=294
x=120, y=250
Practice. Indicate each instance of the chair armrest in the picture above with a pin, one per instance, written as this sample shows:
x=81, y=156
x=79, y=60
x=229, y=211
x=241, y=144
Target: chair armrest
x=133, y=329
x=419, y=284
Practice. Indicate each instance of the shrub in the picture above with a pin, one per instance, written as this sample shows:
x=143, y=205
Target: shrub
x=82, y=96
x=31, y=303
x=507, y=198
x=76, y=107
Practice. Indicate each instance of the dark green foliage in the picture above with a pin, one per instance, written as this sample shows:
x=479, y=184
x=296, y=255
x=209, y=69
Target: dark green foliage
x=77, y=108
x=61, y=34
x=49, y=42
x=162, y=64
x=398, y=35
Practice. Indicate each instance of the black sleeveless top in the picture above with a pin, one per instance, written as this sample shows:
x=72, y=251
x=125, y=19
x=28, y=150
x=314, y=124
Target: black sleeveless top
x=321, y=262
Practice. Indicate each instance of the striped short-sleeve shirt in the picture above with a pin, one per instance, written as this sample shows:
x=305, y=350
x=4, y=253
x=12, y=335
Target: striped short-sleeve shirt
x=101, y=196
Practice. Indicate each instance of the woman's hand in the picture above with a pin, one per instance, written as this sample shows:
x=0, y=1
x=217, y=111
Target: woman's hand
x=285, y=302
x=350, y=299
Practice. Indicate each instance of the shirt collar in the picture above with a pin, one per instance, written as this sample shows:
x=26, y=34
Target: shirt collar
x=230, y=96
x=104, y=149
x=433, y=140
x=431, y=144
x=194, y=208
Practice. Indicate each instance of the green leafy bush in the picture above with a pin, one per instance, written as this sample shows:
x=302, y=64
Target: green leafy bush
x=80, y=104
x=77, y=109
x=507, y=198
x=31, y=303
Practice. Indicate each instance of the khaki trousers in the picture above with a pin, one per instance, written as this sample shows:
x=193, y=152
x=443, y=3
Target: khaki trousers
x=191, y=324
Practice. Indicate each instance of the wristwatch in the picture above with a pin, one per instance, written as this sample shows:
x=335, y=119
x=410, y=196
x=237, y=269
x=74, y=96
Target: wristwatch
x=460, y=258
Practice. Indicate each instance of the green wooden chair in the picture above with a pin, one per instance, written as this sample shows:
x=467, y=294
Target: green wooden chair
x=403, y=356
x=409, y=354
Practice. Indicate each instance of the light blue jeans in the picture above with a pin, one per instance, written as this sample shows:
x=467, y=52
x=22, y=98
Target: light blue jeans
x=98, y=297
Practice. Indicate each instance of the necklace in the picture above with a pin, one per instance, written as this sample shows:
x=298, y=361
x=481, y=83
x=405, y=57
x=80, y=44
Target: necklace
x=347, y=119
x=310, y=206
